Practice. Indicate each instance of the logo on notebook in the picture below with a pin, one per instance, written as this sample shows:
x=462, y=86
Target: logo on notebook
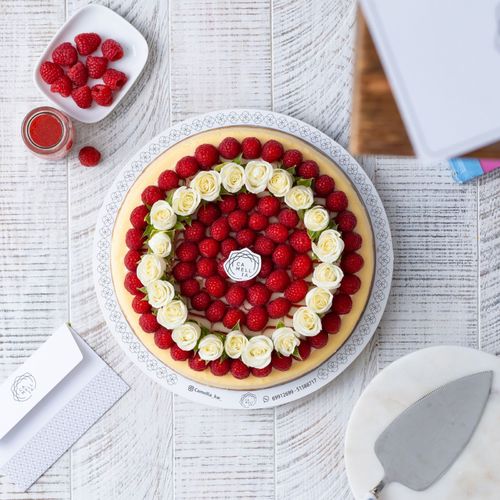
x=23, y=387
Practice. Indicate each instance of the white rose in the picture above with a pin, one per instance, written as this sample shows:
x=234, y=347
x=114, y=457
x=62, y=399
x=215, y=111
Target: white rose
x=162, y=215
x=235, y=343
x=185, y=201
x=160, y=293
x=186, y=336
x=319, y=300
x=306, y=322
x=173, y=314
x=327, y=276
x=329, y=246
x=207, y=183
x=285, y=340
x=257, y=173
x=299, y=197
x=316, y=218
x=280, y=182
x=150, y=268
x=257, y=353
x=210, y=347
x=160, y=244
x=232, y=177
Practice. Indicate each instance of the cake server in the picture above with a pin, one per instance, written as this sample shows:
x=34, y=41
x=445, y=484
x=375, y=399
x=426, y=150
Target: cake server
x=422, y=443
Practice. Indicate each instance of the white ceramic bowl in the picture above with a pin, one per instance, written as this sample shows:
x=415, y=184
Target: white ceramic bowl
x=108, y=24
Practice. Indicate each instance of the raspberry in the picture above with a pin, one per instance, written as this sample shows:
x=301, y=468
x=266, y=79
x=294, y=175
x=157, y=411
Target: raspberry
x=220, y=367
x=292, y=158
x=302, y=266
x=346, y=221
x=308, y=170
x=194, y=231
x=62, y=86
x=186, y=167
x=216, y=286
x=196, y=363
x=278, y=308
x=206, y=267
x=336, y=201
x=140, y=306
x=200, y=301
x=264, y=246
x=209, y=213
x=65, y=54
x=102, y=95
x=324, y=185
x=237, y=220
x=78, y=74
x=258, y=295
x=272, y=151
x=257, y=318
x=251, y=148
x=350, y=284
x=82, y=97
x=208, y=247
x=168, y=180
x=257, y=222
x=189, y=288
x=50, y=72
x=132, y=283
x=229, y=148
x=342, y=303
x=187, y=251
x=219, y=229
x=138, y=216
x=282, y=363
x=227, y=246
x=352, y=241
x=86, y=43
x=220, y=268
x=163, y=338
x=96, y=67
x=278, y=280
x=148, y=323
x=277, y=232
x=245, y=237
x=112, y=50
x=183, y=271
x=289, y=218
x=247, y=201
x=134, y=239
x=235, y=296
x=300, y=241
x=266, y=267
x=296, y=291
x=228, y=204
x=268, y=206
x=216, y=311
x=351, y=263
x=319, y=340
x=283, y=256
x=239, y=369
x=132, y=258
x=151, y=195
x=114, y=79
x=248, y=283
x=262, y=372
x=304, y=350
x=206, y=155
x=178, y=354
x=233, y=317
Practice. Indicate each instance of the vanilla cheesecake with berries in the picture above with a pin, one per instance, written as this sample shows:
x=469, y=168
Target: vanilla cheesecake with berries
x=242, y=257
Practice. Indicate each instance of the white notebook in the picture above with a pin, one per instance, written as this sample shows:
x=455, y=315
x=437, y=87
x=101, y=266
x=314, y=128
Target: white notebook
x=442, y=58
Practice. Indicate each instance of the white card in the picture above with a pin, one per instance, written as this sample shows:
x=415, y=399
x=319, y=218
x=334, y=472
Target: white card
x=442, y=58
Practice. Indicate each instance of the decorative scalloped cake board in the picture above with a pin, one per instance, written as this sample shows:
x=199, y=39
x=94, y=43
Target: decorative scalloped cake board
x=233, y=398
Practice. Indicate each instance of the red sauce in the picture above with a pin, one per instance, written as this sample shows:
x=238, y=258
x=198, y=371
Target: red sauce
x=45, y=130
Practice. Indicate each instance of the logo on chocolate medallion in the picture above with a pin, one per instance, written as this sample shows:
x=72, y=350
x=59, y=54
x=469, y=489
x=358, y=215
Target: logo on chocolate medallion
x=242, y=265
x=23, y=387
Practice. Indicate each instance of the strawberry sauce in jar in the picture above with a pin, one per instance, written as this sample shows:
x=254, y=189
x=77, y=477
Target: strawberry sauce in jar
x=48, y=133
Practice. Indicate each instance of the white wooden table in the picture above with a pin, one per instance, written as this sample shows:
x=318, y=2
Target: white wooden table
x=292, y=56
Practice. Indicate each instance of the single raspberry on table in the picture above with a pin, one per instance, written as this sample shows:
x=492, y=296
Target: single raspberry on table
x=194, y=231
x=304, y=350
x=289, y=218
x=258, y=295
x=138, y=217
x=262, y=372
x=228, y=204
x=257, y=318
x=300, y=241
x=206, y=267
x=179, y=354
x=281, y=363
x=206, y=155
x=268, y=206
x=148, y=322
x=237, y=220
x=324, y=185
x=62, y=86
x=215, y=311
x=220, y=367
x=102, y=95
x=131, y=259
x=292, y=158
x=296, y=291
x=112, y=50
x=278, y=280
x=258, y=222
x=78, y=74
x=200, y=301
x=336, y=201
x=283, y=256
x=239, y=369
x=216, y=286
x=50, y=72
x=132, y=284
x=350, y=284
x=229, y=148
x=65, y=54
x=302, y=266
x=278, y=308
x=219, y=229
x=187, y=251
x=86, y=43
x=208, y=247
x=114, y=79
x=342, y=303
x=187, y=167
x=277, y=232
x=235, y=295
x=247, y=201
x=227, y=246
x=209, y=213
x=232, y=317
x=352, y=241
x=168, y=180
x=245, y=237
x=140, y=306
x=308, y=170
x=318, y=341
x=96, y=66
x=272, y=151
x=82, y=97
x=351, y=263
x=183, y=271
x=264, y=245
x=346, y=221
x=134, y=239
x=196, y=363
x=251, y=148
x=163, y=338
x=189, y=287
x=151, y=195
x=266, y=267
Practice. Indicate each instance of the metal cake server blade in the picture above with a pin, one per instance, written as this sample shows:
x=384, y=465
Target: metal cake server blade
x=422, y=443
